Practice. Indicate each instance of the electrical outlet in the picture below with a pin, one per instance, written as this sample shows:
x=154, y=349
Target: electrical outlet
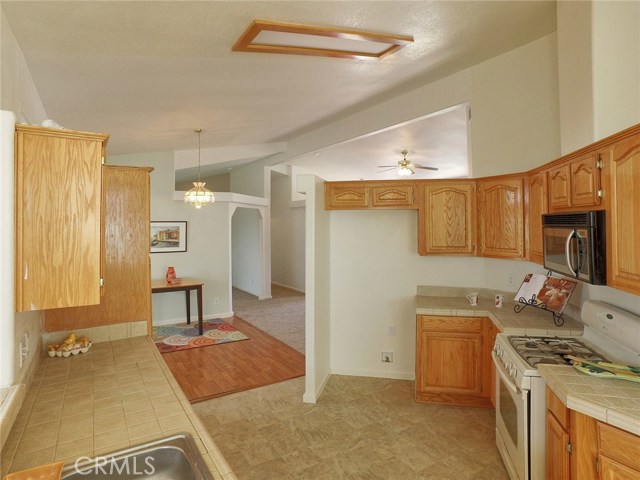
x=391, y=330
x=216, y=300
x=387, y=357
x=510, y=281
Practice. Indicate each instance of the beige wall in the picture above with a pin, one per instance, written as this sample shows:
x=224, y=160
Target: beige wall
x=215, y=183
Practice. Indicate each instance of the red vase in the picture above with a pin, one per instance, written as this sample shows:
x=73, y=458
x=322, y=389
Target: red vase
x=171, y=274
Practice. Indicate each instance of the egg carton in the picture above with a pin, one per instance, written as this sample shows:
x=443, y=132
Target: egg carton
x=68, y=353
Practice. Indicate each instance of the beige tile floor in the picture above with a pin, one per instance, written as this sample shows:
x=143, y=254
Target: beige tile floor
x=361, y=428
x=116, y=395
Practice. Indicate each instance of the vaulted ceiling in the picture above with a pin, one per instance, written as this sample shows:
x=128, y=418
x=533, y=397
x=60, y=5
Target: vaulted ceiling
x=149, y=72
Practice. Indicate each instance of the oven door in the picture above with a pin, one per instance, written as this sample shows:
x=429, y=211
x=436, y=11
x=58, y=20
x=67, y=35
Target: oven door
x=512, y=435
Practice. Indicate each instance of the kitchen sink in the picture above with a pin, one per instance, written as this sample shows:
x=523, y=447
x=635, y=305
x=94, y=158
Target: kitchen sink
x=171, y=458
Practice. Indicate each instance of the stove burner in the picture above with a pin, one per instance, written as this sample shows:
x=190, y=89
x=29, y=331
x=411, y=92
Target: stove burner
x=551, y=350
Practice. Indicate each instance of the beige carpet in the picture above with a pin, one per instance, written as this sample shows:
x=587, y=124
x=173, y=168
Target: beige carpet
x=361, y=428
x=281, y=316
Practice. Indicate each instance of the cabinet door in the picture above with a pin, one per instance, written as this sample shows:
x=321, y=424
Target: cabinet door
x=447, y=219
x=345, y=195
x=450, y=366
x=623, y=243
x=127, y=290
x=536, y=207
x=585, y=181
x=500, y=223
x=58, y=218
x=558, y=458
x=560, y=188
x=454, y=362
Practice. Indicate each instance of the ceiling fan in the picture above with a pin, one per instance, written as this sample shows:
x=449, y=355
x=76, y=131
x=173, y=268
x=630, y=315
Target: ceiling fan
x=404, y=166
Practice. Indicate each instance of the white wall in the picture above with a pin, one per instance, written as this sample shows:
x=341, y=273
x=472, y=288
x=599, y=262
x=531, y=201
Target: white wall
x=287, y=235
x=17, y=90
x=575, y=77
x=599, y=70
x=616, y=66
x=208, y=247
x=514, y=110
x=317, y=280
x=19, y=96
x=246, y=243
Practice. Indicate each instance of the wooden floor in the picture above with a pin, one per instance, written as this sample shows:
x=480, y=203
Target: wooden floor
x=213, y=371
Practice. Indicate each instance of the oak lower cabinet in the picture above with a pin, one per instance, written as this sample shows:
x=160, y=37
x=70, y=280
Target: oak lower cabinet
x=58, y=175
x=576, y=184
x=579, y=447
x=374, y=194
x=127, y=281
x=447, y=218
x=623, y=222
x=451, y=364
x=501, y=217
x=536, y=193
x=618, y=454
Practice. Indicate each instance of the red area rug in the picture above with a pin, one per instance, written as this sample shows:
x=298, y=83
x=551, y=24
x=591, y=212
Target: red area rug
x=182, y=336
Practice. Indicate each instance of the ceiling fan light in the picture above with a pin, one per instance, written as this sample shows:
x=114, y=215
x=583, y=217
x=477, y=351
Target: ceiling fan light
x=405, y=171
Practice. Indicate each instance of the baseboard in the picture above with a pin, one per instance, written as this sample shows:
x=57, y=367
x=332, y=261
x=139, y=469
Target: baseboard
x=374, y=373
x=173, y=321
x=314, y=396
x=287, y=287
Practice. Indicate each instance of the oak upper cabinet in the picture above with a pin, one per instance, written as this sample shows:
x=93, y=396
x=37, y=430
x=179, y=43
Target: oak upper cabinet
x=370, y=194
x=127, y=281
x=450, y=360
x=623, y=222
x=501, y=217
x=58, y=217
x=346, y=195
x=536, y=201
x=447, y=218
x=576, y=184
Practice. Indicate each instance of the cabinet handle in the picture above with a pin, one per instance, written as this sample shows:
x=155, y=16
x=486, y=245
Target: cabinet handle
x=569, y=447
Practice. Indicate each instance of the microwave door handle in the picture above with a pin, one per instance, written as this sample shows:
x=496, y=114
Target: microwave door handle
x=567, y=251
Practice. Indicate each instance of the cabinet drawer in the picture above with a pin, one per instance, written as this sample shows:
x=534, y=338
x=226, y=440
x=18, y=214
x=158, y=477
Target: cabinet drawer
x=558, y=409
x=618, y=444
x=392, y=196
x=451, y=324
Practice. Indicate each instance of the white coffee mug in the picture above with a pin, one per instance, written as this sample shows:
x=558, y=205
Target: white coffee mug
x=499, y=300
x=473, y=298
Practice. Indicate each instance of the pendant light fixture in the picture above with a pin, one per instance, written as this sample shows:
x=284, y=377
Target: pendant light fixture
x=199, y=196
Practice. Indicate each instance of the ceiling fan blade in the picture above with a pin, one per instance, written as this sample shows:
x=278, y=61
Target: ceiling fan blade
x=387, y=166
x=387, y=169
x=435, y=169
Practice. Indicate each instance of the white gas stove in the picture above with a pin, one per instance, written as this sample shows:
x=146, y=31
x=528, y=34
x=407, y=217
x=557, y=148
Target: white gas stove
x=609, y=334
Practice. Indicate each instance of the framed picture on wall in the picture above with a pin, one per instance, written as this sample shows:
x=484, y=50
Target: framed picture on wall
x=168, y=237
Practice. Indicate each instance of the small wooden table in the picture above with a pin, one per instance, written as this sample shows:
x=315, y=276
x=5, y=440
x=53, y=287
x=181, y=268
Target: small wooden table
x=188, y=284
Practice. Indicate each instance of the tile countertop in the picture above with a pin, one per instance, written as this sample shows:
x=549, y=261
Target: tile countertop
x=610, y=400
x=118, y=394
x=447, y=301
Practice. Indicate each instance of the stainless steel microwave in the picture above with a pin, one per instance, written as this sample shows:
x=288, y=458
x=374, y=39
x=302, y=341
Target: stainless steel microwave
x=575, y=245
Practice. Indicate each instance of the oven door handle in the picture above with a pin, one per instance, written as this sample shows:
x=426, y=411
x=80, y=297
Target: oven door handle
x=508, y=381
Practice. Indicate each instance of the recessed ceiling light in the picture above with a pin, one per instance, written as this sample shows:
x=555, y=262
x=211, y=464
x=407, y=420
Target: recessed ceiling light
x=271, y=37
